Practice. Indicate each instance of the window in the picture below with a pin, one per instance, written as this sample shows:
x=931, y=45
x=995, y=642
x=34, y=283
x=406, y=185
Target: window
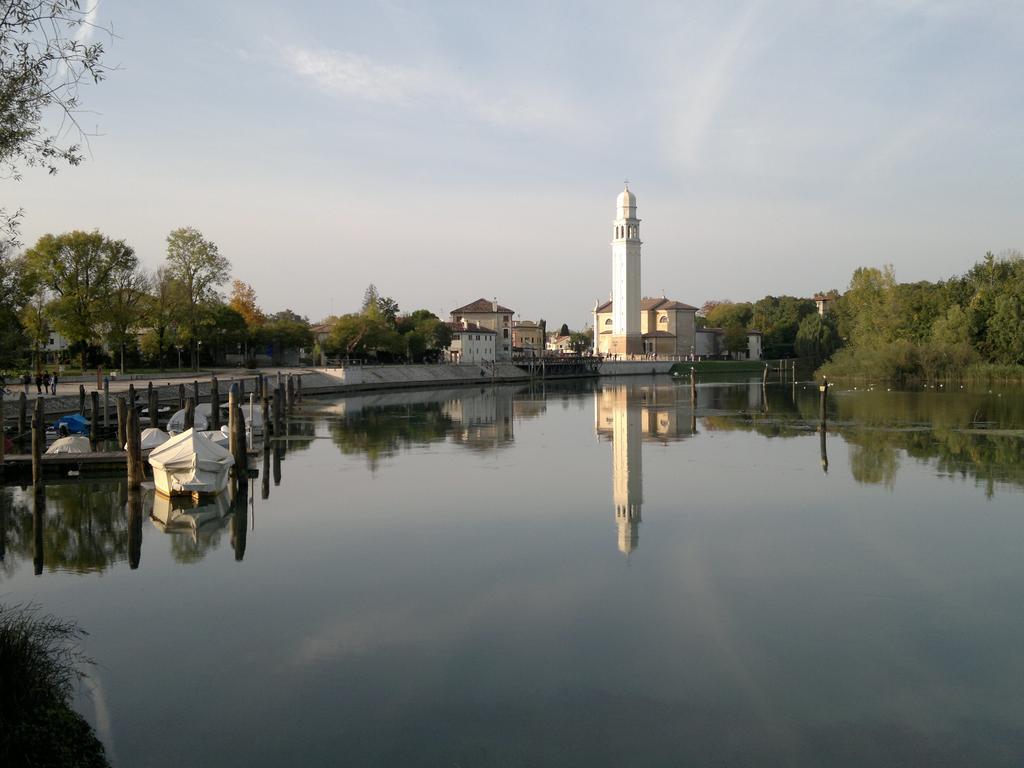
x=608, y=321
x=506, y=333
x=662, y=320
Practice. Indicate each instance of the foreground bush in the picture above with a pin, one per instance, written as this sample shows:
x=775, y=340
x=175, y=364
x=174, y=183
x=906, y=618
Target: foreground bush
x=40, y=662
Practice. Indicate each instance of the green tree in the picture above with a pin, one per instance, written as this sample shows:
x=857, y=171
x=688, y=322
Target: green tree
x=78, y=269
x=162, y=308
x=196, y=263
x=779, y=319
x=581, y=341
x=816, y=338
x=285, y=330
x=735, y=339
x=43, y=63
x=869, y=307
x=951, y=328
x=364, y=335
x=128, y=291
x=726, y=314
x=14, y=291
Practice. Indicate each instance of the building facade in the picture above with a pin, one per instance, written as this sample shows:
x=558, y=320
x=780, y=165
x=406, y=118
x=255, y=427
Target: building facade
x=472, y=343
x=711, y=344
x=488, y=314
x=527, y=338
x=666, y=327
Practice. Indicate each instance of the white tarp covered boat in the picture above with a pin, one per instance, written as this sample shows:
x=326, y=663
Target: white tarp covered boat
x=190, y=463
x=189, y=516
x=151, y=437
x=220, y=438
x=203, y=422
x=71, y=444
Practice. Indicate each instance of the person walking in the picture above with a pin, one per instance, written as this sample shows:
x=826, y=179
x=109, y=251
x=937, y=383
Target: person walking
x=39, y=383
x=53, y=383
x=26, y=380
x=46, y=383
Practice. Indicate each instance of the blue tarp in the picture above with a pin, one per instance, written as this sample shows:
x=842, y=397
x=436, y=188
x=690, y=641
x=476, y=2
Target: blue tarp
x=76, y=423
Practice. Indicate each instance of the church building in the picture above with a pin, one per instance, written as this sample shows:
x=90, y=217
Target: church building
x=629, y=325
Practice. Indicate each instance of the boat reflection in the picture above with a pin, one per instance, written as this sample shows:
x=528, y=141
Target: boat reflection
x=194, y=524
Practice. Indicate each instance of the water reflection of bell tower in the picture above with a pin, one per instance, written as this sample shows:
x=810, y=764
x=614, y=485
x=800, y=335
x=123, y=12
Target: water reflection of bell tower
x=627, y=469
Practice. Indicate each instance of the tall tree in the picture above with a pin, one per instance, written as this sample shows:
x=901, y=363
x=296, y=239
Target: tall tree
x=162, y=308
x=197, y=264
x=14, y=290
x=128, y=294
x=77, y=268
x=43, y=62
x=243, y=301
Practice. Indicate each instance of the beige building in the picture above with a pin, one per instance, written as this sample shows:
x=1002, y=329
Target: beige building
x=472, y=343
x=489, y=314
x=527, y=338
x=667, y=327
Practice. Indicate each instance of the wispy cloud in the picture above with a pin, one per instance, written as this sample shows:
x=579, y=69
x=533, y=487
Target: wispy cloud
x=698, y=105
x=351, y=75
x=348, y=75
x=88, y=26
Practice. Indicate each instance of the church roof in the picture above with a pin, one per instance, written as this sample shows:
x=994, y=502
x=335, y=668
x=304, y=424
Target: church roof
x=647, y=305
x=481, y=305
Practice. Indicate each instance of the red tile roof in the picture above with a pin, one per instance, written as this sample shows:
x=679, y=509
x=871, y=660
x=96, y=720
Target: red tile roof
x=481, y=305
x=648, y=304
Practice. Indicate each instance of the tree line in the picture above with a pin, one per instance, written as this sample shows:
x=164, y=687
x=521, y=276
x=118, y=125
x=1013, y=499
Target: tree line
x=91, y=289
x=971, y=325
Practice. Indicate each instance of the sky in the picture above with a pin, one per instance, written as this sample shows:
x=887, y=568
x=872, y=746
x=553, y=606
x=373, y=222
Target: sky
x=448, y=151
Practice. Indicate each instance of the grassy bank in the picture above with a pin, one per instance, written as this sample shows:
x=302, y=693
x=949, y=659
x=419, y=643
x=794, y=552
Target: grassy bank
x=903, y=362
x=40, y=662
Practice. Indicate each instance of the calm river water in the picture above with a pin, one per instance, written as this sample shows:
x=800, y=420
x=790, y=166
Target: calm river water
x=590, y=574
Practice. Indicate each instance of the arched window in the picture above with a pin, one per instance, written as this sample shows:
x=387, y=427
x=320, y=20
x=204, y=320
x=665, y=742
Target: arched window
x=663, y=320
x=608, y=321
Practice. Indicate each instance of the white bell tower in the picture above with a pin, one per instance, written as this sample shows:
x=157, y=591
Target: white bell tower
x=626, y=339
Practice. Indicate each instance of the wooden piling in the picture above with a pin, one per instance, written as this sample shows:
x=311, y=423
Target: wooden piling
x=154, y=407
x=106, y=404
x=279, y=411
x=38, y=441
x=824, y=450
x=237, y=442
x=195, y=393
x=290, y=394
x=131, y=396
x=265, y=480
x=240, y=519
x=23, y=416
x=81, y=399
x=122, y=423
x=181, y=396
x=232, y=417
x=298, y=386
x=214, y=404
x=94, y=422
x=693, y=384
x=764, y=376
x=190, y=414
x=134, y=505
x=38, y=523
x=134, y=441
x=265, y=413
x=823, y=401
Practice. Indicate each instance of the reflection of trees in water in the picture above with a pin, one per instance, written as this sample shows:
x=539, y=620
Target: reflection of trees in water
x=874, y=463
x=85, y=526
x=380, y=431
x=957, y=431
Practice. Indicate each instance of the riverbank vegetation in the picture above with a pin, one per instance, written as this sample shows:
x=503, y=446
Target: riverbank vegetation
x=968, y=328
x=40, y=663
